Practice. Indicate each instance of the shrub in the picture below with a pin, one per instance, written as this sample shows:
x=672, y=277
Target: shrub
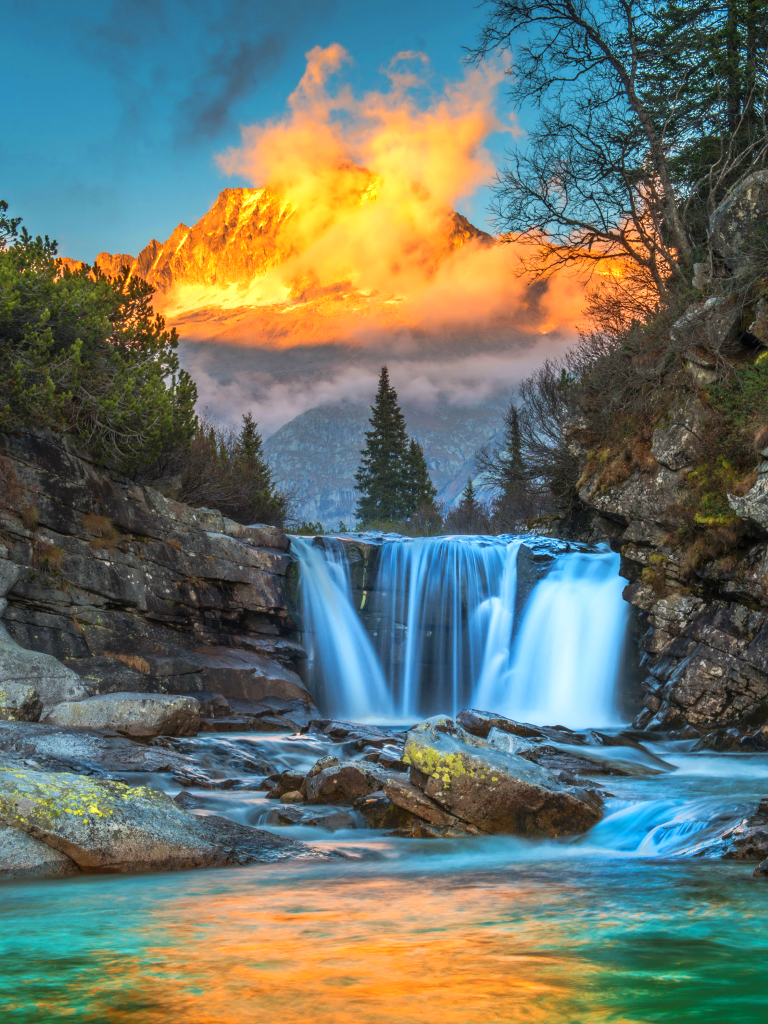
x=226, y=470
x=85, y=355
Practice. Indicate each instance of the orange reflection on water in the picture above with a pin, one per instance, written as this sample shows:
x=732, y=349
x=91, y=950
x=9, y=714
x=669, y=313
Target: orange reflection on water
x=358, y=952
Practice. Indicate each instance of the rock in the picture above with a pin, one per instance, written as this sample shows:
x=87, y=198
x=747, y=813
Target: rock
x=212, y=705
x=706, y=329
x=509, y=742
x=110, y=675
x=675, y=446
x=404, y=794
x=19, y=703
x=286, y=782
x=22, y=856
x=133, y=714
x=753, y=506
x=344, y=783
x=246, y=675
x=741, y=214
x=495, y=791
x=109, y=826
x=53, y=681
x=761, y=871
x=293, y=796
x=380, y=812
x=85, y=751
x=480, y=723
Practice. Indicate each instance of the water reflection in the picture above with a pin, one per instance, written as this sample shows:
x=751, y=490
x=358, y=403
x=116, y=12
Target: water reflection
x=598, y=942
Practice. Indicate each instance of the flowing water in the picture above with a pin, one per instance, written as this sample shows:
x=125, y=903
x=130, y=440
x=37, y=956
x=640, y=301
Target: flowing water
x=635, y=922
x=450, y=630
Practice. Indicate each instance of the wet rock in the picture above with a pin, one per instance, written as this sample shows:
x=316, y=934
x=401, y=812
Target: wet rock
x=495, y=791
x=286, y=782
x=480, y=723
x=293, y=796
x=761, y=871
x=344, y=783
x=246, y=675
x=211, y=705
x=330, y=820
x=53, y=681
x=108, y=826
x=19, y=703
x=22, y=856
x=559, y=760
x=84, y=751
x=133, y=714
x=380, y=812
x=405, y=794
x=509, y=742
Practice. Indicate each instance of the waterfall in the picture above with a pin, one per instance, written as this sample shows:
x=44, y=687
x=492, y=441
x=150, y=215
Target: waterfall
x=450, y=624
x=347, y=678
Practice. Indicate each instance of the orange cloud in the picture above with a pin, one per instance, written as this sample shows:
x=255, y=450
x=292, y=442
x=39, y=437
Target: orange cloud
x=369, y=243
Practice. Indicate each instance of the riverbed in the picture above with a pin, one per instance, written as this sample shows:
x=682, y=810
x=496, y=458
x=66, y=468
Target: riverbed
x=630, y=923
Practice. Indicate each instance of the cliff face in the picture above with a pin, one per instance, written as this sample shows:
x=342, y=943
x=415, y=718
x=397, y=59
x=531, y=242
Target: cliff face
x=705, y=619
x=136, y=592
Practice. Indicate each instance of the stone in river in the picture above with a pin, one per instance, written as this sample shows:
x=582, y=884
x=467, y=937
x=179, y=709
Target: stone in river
x=480, y=723
x=103, y=825
x=493, y=790
x=23, y=856
x=346, y=782
x=134, y=714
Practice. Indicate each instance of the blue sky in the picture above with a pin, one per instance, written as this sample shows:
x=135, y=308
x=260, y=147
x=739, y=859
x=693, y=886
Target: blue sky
x=114, y=112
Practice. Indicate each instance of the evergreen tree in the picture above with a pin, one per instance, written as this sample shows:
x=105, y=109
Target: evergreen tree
x=383, y=476
x=470, y=515
x=421, y=492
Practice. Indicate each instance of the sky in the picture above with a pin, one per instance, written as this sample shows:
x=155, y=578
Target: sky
x=115, y=112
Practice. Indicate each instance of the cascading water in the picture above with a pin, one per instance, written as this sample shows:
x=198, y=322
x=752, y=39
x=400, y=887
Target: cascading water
x=347, y=677
x=450, y=627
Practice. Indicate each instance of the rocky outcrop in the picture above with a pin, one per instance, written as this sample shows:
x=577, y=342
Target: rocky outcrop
x=107, y=826
x=134, y=714
x=129, y=591
x=493, y=790
x=703, y=618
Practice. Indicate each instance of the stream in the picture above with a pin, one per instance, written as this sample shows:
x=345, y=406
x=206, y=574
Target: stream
x=636, y=921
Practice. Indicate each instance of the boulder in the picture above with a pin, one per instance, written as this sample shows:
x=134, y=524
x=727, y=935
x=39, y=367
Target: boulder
x=480, y=723
x=404, y=794
x=741, y=214
x=107, y=826
x=22, y=856
x=380, y=812
x=53, y=681
x=493, y=790
x=246, y=675
x=133, y=714
x=345, y=783
x=19, y=703
x=87, y=752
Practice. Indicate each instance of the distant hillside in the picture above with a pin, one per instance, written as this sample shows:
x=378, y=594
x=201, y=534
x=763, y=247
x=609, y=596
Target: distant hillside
x=316, y=454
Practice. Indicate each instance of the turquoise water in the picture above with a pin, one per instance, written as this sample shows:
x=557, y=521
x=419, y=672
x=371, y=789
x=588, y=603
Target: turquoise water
x=418, y=937
x=622, y=925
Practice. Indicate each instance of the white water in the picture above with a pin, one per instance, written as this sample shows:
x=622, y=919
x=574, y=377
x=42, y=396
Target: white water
x=447, y=632
x=347, y=677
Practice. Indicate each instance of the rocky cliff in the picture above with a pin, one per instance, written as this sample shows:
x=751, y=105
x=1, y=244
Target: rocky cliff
x=133, y=592
x=703, y=604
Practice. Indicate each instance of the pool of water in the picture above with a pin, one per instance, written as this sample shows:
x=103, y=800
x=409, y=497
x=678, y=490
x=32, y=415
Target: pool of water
x=620, y=926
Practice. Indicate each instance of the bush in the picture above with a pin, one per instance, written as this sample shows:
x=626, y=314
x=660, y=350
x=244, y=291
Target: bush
x=86, y=356
x=226, y=470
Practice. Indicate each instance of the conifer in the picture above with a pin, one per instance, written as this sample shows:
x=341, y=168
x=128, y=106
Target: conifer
x=421, y=492
x=382, y=478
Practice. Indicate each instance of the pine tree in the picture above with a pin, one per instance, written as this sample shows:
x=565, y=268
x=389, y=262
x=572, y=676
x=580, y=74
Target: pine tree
x=421, y=491
x=383, y=476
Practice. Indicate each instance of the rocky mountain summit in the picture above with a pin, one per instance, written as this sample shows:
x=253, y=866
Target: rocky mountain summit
x=243, y=236
x=703, y=605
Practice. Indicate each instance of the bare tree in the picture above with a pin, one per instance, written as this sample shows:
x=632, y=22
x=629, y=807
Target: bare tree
x=597, y=178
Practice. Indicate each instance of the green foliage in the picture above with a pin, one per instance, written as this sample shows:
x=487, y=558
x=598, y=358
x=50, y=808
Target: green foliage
x=392, y=479
x=742, y=398
x=308, y=529
x=470, y=516
x=86, y=355
x=227, y=470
